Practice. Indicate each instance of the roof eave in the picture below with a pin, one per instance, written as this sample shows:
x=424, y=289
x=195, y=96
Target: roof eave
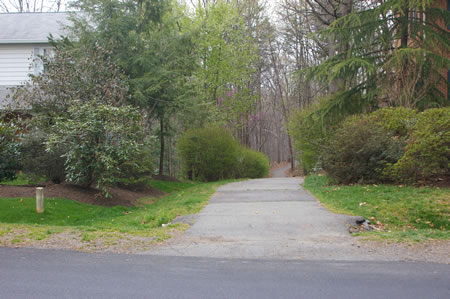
x=19, y=41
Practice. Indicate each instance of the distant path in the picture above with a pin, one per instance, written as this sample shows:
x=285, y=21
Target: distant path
x=280, y=172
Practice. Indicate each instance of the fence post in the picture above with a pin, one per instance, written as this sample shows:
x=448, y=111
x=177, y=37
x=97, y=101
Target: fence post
x=40, y=200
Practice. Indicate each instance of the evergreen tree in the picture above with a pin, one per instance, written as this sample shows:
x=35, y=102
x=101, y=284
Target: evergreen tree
x=392, y=52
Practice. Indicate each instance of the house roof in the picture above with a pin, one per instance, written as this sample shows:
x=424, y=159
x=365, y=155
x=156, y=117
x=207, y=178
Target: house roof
x=20, y=28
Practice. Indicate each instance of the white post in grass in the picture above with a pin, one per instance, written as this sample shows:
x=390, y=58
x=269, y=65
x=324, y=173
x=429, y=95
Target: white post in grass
x=40, y=200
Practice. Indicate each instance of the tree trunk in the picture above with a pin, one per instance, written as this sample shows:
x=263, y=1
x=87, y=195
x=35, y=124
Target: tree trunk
x=161, y=139
x=291, y=150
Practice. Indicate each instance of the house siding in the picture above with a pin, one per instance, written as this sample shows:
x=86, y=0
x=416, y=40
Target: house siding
x=15, y=64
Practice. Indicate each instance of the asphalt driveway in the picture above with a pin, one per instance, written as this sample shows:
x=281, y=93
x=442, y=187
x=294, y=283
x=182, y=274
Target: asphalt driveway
x=267, y=218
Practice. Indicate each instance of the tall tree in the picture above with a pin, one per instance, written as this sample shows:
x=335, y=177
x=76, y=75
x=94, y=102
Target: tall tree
x=151, y=45
x=393, y=53
x=21, y=6
x=227, y=59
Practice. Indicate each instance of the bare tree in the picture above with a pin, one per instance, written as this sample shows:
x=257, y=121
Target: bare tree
x=21, y=6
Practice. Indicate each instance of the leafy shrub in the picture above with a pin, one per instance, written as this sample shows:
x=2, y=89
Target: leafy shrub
x=9, y=151
x=309, y=137
x=360, y=150
x=428, y=152
x=208, y=153
x=253, y=164
x=38, y=162
x=97, y=139
x=135, y=172
x=399, y=121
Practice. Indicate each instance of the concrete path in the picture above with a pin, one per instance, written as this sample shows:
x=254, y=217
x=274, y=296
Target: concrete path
x=280, y=172
x=266, y=218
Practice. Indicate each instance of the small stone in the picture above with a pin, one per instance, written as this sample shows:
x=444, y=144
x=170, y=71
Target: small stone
x=354, y=229
x=359, y=220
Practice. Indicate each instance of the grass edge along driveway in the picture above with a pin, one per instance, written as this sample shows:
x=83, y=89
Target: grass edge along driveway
x=74, y=225
x=401, y=213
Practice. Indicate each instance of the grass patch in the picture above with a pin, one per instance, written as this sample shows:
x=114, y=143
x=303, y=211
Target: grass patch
x=405, y=212
x=170, y=187
x=93, y=221
x=24, y=179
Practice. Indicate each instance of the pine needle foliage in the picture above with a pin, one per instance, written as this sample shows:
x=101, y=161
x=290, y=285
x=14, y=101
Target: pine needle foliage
x=391, y=53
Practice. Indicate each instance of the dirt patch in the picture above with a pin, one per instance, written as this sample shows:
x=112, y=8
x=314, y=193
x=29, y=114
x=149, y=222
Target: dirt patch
x=86, y=241
x=433, y=251
x=122, y=197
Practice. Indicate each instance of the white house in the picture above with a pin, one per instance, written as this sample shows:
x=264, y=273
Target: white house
x=23, y=36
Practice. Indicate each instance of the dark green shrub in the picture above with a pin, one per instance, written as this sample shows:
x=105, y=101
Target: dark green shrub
x=9, y=152
x=253, y=164
x=428, y=152
x=360, y=150
x=135, y=173
x=38, y=162
x=208, y=153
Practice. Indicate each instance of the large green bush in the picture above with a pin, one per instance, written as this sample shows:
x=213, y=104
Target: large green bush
x=97, y=139
x=428, y=151
x=9, y=151
x=391, y=144
x=209, y=153
x=253, y=164
x=360, y=150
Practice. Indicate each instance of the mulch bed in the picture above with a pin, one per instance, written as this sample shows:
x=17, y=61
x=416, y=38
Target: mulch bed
x=120, y=196
x=441, y=182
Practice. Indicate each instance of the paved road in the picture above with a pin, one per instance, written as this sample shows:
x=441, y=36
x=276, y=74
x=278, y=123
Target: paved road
x=33, y=273
x=267, y=218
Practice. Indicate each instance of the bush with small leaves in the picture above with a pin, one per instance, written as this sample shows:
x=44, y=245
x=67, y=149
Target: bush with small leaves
x=360, y=150
x=252, y=164
x=398, y=121
x=209, y=154
x=428, y=152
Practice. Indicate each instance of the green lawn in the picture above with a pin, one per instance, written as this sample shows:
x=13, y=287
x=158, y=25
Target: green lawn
x=23, y=179
x=145, y=220
x=402, y=212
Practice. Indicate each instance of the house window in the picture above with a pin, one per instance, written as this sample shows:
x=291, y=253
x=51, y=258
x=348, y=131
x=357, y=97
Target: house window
x=38, y=64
